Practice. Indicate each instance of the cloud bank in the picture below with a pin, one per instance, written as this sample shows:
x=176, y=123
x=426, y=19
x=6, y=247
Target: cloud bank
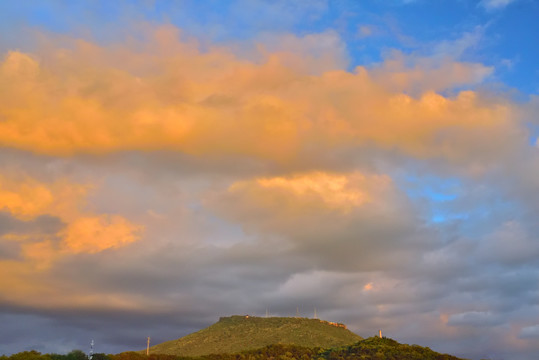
x=167, y=182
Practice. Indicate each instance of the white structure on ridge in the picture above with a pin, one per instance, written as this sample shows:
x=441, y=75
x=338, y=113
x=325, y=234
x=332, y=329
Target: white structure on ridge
x=91, y=354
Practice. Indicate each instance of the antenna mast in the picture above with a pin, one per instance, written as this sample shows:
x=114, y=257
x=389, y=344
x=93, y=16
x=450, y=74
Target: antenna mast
x=148, y=347
x=91, y=354
x=297, y=311
x=315, y=316
x=267, y=313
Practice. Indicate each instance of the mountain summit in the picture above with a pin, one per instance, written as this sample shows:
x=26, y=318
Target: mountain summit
x=239, y=333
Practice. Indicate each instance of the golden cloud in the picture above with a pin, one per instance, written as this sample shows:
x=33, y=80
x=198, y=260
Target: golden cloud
x=335, y=192
x=84, y=232
x=167, y=94
x=27, y=198
x=97, y=233
x=301, y=201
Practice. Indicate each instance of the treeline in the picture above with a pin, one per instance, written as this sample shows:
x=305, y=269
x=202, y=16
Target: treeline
x=376, y=348
x=372, y=348
x=36, y=355
x=272, y=352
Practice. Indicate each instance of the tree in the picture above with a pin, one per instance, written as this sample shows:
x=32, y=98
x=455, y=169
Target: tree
x=29, y=355
x=100, y=356
x=76, y=355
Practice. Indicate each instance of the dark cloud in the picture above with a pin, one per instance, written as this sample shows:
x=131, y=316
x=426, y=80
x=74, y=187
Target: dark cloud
x=43, y=225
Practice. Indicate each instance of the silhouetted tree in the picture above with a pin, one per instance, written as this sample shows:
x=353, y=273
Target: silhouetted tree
x=100, y=356
x=76, y=355
x=29, y=355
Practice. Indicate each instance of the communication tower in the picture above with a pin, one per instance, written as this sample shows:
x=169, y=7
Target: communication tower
x=91, y=353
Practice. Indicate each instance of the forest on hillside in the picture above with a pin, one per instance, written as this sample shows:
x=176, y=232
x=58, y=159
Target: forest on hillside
x=369, y=349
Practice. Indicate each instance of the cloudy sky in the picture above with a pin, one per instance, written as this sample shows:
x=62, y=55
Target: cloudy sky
x=164, y=163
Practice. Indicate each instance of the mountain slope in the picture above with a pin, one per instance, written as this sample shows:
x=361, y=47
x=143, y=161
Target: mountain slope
x=384, y=349
x=239, y=333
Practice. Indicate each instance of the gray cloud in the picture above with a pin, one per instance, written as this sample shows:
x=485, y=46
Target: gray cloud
x=461, y=285
x=475, y=318
x=44, y=224
x=530, y=332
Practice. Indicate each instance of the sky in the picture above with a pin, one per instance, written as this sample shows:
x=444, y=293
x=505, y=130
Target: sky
x=165, y=163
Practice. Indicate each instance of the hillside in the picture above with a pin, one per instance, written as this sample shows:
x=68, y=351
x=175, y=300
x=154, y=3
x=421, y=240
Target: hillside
x=384, y=349
x=240, y=333
x=372, y=348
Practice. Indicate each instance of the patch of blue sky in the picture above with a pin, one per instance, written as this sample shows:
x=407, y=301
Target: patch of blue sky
x=435, y=196
x=430, y=187
x=438, y=196
x=424, y=21
x=475, y=214
x=95, y=21
x=440, y=28
x=484, y=214
x=43, y=16
x=223, y=21
x=444, y=218
x=204, y=19
x=533, y=134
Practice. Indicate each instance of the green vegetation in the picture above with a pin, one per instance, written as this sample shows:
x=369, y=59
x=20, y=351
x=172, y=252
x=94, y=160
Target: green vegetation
x=239, y=333
x=372, y=348
x=375, y=348
x=35, y=355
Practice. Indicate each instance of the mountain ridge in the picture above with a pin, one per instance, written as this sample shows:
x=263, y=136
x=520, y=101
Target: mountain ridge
x=239, y=333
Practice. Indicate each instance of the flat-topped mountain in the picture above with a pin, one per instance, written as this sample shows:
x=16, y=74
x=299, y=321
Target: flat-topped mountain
x=239, y=333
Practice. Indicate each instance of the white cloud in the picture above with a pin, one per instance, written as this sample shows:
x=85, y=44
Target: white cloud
x=495, y=4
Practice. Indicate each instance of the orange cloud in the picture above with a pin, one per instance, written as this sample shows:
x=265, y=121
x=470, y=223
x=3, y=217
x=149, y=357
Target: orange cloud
x=40, y=255
x=166, y=94
x=27, y=198
x=368, y=286
x=97, y=233
x=301, y=201
x=20, y=279
x=24, y=200
x=333, y=191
